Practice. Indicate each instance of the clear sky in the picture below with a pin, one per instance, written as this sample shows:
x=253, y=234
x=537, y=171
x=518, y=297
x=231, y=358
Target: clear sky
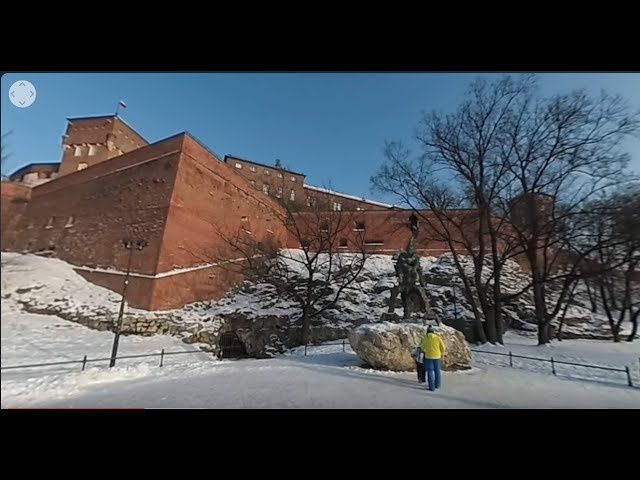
x=331, y=126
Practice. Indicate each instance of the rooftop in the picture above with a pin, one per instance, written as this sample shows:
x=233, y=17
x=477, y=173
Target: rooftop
x=28, y=167
x=261, y=164
x=351, y=197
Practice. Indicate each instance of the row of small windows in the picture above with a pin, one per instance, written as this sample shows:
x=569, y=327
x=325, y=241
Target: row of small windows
x=265, y=172
x=345, y=244
x=70, y=222
x=266, y=189
x=358, y=226
x=78, y=150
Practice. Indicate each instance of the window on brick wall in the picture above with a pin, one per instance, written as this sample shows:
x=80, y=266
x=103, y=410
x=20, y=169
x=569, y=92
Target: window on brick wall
x=253, y=182
x=279, y=192
x=292, y=195
x=77, y=151
x=293, y=179
x=267, y=172
x=265, y=189
x=310, y=201
x=92, y=150
x=70, y=221
x=343, y=243
x=337, y=206
x=238, y=165
x=359, y=227
x=279, y=175
x=252, y=169
x=324, y=227
x=50, y=222
x=82, y=166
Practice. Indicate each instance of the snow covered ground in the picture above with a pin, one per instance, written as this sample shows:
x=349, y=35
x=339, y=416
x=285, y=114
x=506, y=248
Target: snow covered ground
x=326, y=378
x=590, y=352
x=31, y=339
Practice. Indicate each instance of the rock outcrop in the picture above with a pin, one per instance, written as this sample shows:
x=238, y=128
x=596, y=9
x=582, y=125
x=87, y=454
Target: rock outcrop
x=388, y=346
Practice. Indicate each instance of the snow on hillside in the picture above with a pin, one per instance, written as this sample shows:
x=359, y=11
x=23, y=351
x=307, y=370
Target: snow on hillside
x=52, y=281
x=32, y=339
x=52, y=286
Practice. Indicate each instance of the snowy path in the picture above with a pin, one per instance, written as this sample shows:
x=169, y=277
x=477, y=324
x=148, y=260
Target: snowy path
x=327, y=378
x=333, y=381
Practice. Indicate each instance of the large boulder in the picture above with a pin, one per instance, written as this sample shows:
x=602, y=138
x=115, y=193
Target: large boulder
x=388, y=346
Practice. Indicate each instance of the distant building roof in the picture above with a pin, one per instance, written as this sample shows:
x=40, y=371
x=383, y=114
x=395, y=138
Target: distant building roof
x=262, y=164
x=27, y=168
x=350, y=197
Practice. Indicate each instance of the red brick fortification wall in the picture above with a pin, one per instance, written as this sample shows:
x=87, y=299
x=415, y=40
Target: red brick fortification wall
x=209, y=200
x=14, y=201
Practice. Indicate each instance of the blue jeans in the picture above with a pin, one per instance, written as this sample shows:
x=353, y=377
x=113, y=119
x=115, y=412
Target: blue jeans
x=432, y=366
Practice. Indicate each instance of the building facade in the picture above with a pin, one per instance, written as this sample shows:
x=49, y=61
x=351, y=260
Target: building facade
x=176, y=195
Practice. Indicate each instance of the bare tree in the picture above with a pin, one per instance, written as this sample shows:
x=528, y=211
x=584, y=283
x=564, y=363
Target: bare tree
x=527, y=167
x=618, y=244
x=562, y=153
x=314, y=275
x=459, y=179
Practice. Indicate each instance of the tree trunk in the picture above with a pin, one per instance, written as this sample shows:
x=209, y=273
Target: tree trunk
x=616, y=333
x=497, y=298
x=592, y=298
x=634, y=330
x=544, y=333
x=306, y=325
x=480, y=336
x=543, y=324
x=565, y=309
x=538, y=296
x=607, y=310
x=490, y=325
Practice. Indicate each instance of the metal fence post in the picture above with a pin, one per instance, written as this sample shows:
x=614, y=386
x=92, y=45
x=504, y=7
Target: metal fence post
x=84, y=363
x=343, y=345
x=629, y=376
x=162, y=357
x=305, y=349
x=553, y=366
x=510, y=359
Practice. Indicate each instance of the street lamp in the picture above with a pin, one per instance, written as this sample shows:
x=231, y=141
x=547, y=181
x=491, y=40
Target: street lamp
x=131, y=246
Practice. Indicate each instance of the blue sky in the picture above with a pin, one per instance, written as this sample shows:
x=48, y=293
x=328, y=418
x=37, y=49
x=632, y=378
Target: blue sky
x=331, y=126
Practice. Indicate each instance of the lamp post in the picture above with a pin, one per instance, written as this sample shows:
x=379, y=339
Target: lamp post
x=131, y=246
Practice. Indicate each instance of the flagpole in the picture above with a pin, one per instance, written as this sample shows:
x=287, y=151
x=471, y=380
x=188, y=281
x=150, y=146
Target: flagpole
x=118, y=108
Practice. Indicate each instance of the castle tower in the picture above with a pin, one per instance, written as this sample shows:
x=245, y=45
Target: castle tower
x=532, y=209
x=91, y=140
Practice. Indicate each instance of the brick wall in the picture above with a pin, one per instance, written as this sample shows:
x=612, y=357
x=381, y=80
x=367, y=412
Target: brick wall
x=85, y=216
x=208, y=199
x=14, y=203
x=381, y=231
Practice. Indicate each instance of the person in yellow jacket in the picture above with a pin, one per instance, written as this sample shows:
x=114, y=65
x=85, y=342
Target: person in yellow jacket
x=433, y=348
